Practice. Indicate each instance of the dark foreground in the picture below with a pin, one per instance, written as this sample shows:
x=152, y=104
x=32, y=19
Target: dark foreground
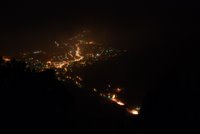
x=37, y=102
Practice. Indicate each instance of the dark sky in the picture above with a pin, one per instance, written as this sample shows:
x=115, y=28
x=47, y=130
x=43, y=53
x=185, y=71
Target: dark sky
x=29, y=25
x=35, y=24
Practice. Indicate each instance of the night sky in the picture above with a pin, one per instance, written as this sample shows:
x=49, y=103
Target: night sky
x=125, y=24
x=39, y=23
x=147, y=29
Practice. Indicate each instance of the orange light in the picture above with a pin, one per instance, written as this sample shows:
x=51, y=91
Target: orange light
x=133, y=111
x=114, y=99
x=48, y=62
x=78, y=51
x=6, y=59
x=120, y=103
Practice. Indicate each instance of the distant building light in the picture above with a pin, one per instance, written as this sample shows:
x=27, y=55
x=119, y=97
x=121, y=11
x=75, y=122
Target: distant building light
x=98, y=54
x=91, y=42
x=37, y=52
x=95, y=90
x=134, y=111
x=6, y=59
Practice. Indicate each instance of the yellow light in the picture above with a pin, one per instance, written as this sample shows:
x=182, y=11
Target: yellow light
x=113, y=97
x=133, y=111
x=78, y=51
x=120, y=103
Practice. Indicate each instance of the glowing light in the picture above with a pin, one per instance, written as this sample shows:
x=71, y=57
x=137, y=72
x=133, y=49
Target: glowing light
x=118, y=89
x=74, y=53
x=114, y=96
x=57, y=44
x=37, y=52
x=6, y=59
x=120, y=103
x=133, y=111
x=91, y=42
x=49, y=62
x=78, y=55
x=79, y=78
x=114, y=99
x=98, y=55
x=59, y=64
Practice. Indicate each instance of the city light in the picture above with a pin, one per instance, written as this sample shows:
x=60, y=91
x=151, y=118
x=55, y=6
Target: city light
x=77, y=51
x=133, y=111
x=6, y=59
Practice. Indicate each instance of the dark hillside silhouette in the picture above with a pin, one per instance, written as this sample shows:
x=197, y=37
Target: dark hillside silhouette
x=32, y=101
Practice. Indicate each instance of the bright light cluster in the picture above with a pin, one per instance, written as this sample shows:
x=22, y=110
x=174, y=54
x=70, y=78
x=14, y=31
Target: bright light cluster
x=76, y=52
x=113, y=96
x=65, y=57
